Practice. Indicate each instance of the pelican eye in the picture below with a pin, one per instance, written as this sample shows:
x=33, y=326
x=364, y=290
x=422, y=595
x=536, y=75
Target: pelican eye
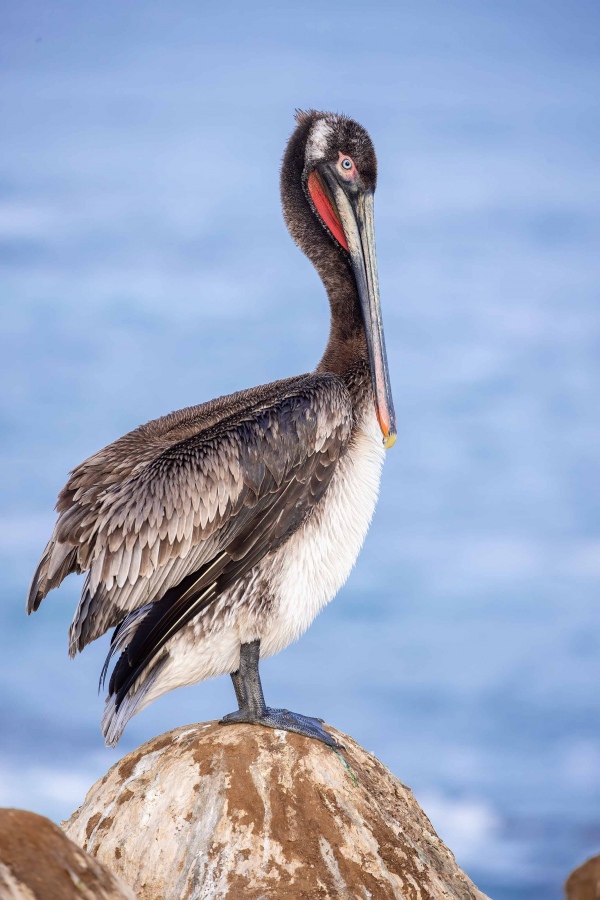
x=346, y=163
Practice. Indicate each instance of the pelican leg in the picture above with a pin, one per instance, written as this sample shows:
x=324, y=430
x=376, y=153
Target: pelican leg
x=238, y=688
x=254, y=711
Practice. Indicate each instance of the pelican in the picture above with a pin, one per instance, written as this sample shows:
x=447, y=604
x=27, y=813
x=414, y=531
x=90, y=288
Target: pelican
x=213, y=536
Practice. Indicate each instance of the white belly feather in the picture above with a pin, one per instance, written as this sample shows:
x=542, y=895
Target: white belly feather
x=312, y=566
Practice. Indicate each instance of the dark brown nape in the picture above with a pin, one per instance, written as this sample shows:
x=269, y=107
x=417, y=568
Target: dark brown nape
x=347, y=343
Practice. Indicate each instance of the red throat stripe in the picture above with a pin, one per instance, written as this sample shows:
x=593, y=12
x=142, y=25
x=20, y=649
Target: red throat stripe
x=326, y=209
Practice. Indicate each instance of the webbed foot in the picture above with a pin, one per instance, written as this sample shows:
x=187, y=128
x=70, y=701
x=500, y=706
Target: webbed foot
x=285, y=720
x=253, y=709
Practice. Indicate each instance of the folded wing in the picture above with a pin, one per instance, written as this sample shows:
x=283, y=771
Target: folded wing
x=170, y=515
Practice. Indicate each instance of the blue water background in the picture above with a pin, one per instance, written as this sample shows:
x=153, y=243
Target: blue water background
x=144, y=266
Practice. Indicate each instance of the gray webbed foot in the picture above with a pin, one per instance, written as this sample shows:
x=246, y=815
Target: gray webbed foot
x=285, y=720
x=253, y=709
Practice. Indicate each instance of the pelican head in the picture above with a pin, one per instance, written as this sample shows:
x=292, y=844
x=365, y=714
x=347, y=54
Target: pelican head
x=329, y=176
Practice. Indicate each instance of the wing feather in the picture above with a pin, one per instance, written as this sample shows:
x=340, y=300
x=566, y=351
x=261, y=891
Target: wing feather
x=165, y=500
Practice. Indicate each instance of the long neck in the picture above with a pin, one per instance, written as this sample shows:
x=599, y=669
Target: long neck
x=347, y=344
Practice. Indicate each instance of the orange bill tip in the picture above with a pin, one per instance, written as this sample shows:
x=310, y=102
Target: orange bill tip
x=389, y=437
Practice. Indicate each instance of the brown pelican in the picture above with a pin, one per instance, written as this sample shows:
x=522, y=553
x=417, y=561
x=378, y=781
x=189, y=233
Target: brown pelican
x=213, y=536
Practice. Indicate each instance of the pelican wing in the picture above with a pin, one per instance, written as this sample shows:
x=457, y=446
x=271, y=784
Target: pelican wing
x=183, y=506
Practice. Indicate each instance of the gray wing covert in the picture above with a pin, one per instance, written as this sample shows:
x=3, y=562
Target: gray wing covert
x=216, y=501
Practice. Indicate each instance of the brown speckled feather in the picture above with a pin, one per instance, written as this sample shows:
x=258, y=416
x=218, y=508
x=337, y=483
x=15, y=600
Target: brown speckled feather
x=168, y=498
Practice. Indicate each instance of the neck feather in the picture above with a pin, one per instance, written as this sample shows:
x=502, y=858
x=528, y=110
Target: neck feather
x=347, y=343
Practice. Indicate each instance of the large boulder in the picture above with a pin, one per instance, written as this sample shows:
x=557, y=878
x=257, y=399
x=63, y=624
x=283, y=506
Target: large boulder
x=37, y=862
x=209, y=811
x=584, y=882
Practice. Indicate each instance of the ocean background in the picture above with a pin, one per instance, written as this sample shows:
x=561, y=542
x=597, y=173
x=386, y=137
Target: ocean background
x=145, y=266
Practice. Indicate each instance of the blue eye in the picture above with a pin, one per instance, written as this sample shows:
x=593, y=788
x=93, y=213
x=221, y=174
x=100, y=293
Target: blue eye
x=346, y=163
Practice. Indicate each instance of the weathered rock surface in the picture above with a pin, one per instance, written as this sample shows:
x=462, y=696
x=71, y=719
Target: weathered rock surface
x=208, y=811
x=37, y=862
x=584, y=882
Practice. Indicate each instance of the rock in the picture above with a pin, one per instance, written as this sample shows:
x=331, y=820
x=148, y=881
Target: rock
x=584, y=882
x=240, y=811
x=37, y=862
